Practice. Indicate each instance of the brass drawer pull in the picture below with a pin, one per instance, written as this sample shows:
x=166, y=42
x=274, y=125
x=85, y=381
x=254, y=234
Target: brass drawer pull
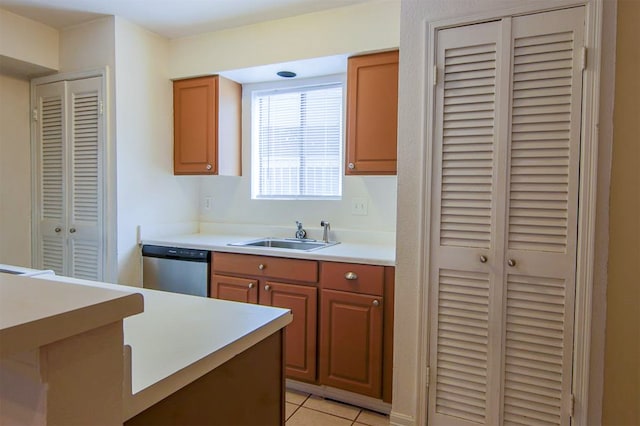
x=351, y=276
x=261, y=266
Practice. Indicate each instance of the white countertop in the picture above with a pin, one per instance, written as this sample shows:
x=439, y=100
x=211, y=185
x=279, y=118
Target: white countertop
x=33, y=314
x=179, y=338
x=360, y=252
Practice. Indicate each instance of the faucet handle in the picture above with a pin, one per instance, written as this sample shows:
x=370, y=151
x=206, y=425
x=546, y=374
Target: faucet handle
x=300, y=233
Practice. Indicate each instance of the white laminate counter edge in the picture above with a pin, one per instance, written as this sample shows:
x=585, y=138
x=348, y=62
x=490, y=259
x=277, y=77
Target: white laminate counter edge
x=34, y=314
x=371, y=254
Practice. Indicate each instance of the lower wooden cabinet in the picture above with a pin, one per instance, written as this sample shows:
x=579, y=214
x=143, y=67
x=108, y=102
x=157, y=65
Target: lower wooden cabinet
x=351, y=342
x=342, y=330
x=301, y=298
x=300, y=335
x=234, y=288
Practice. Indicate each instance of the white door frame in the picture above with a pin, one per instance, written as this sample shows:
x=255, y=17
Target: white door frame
x=586, y=263
x=109, y=240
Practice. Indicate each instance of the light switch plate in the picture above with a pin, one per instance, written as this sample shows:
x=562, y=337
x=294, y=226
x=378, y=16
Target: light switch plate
x=207, y=203
x=359, y=206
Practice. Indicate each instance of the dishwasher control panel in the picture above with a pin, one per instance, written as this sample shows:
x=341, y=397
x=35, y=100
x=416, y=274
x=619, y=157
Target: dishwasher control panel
x=175, y=253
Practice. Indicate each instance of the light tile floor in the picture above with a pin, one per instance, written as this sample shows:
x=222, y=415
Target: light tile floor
x=303, y=409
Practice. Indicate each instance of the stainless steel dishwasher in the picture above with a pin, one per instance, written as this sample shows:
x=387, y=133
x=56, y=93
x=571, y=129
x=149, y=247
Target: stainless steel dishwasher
x=176, y=269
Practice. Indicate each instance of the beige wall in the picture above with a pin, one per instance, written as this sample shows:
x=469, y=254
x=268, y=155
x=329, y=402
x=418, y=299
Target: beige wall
x=26, y=48
x=362, y=27
x=28, y=41
x=86, y=46
x=15, y=180
x=148, y=192
x=621, y=402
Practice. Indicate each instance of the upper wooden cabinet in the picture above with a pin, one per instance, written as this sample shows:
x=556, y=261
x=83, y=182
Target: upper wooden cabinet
x=207, y=126
x=372, y=114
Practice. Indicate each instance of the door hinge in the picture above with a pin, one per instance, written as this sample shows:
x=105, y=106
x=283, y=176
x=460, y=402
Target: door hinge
x=100, y=108
x=572, y=406
x=428, y=376
x=435, y=75
x=34, y=114
x=584, y=58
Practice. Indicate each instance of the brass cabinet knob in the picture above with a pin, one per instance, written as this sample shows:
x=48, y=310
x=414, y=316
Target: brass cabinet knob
x=261, y=266
x=267, y=287
x=250, y=285
x=351, y=166
x=376, y=303
x=483, y=258
x=72, y=230
x=58, y=229
x=209, y=166
x=351, y=276
x=511, y=262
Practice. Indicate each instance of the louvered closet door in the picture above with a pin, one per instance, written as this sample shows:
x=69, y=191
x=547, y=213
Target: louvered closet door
x=51, y=194
x=85, y=207
x=504, y=216
x=542, y=216
x=466, y=231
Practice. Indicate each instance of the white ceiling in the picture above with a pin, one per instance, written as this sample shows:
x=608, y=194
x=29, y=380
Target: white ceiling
x=169, y=18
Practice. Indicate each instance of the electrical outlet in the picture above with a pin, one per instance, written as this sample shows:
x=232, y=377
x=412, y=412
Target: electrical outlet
x=359, y=206
x=207, y=203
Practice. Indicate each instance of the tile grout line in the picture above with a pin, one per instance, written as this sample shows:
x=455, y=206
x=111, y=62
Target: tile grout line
x=353, y=422
x=332, y=414
x=297, y=407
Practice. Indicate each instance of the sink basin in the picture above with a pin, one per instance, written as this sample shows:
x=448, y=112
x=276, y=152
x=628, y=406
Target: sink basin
x=286, y=243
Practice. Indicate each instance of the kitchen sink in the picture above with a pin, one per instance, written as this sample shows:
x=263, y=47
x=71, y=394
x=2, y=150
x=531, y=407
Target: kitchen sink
x=286, y=243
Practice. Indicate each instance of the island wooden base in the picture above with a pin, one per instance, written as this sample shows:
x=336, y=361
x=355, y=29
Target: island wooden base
x=246, y=390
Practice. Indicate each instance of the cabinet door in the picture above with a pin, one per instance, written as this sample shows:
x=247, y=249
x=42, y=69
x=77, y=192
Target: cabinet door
x=86, y=192
x=195, y=126
x=234, y=288
x=372, y=114
x=351, y=342
x=51, y=147
x=300, y=335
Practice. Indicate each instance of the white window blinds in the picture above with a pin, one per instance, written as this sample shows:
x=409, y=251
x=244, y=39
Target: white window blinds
x=297, y=142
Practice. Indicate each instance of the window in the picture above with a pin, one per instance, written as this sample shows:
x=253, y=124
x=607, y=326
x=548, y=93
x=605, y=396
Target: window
x=297, y=142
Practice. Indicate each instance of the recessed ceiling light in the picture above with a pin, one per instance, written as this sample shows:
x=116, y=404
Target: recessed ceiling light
x=286, y=74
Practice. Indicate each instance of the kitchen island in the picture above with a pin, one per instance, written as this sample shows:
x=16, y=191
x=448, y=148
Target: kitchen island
x=185, y=359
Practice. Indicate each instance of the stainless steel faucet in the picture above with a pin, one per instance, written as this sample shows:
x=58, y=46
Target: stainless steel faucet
x=325, y=234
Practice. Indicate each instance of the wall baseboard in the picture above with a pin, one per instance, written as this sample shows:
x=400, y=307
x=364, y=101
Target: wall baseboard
x=399, y=419
x=341, y=395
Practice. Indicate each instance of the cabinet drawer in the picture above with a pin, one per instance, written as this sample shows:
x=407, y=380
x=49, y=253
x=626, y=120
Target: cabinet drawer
x=266, y=267
x=351, y=277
